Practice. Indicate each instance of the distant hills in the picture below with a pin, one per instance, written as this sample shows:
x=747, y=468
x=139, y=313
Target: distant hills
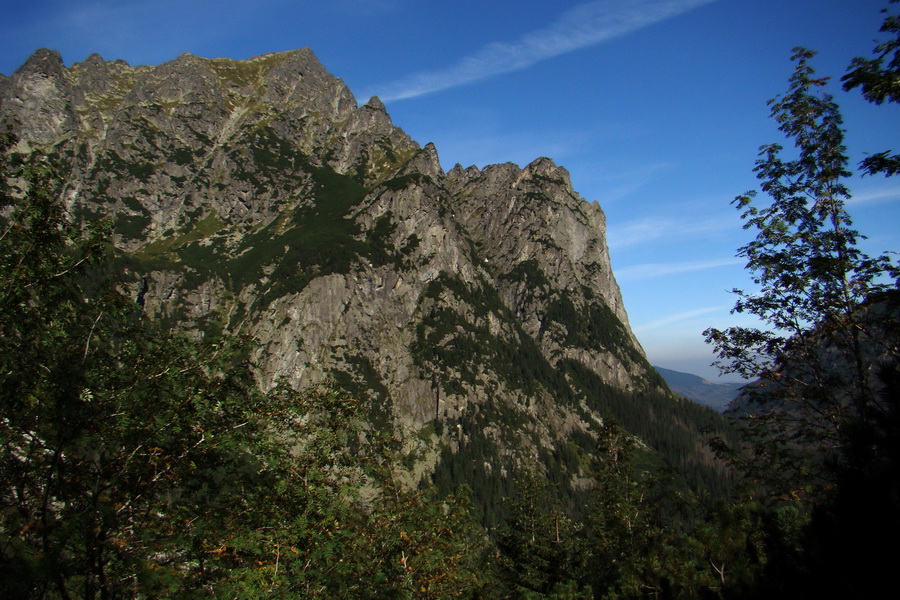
x=693, y=387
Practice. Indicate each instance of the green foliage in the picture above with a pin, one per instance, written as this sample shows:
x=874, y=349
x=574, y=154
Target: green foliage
x=465, y=465
x=593, y=326
x=638, y=535
x=879, y=80
x=542, y=547
x=314, y=236
x=447, y=339
x=620, y=517
x=404, y=181
x=113, y=432
x=455, y=343
x=528, y=272
x=311, y=535
x=818, y=292
x=379, y=248
x=361, y=380
x=672, y=428
x=137, y=463
x=182, y=156
x=820, y=415
x=132, y=226
x=111, y=162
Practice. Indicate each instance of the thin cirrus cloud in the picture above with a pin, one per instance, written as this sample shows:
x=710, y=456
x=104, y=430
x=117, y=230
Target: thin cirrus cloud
x=647, y=230
x=651, y=270
x=876, y=196
x=679, y=318
x=584, y=25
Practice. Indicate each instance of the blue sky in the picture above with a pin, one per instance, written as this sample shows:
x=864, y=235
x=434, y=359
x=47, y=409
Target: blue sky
x=656, y=107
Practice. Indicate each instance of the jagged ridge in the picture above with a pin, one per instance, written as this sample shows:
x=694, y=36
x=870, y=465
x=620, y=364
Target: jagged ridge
x=475, y=308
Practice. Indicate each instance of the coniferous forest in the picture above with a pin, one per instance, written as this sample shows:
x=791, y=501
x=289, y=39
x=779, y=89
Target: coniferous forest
x=142, y=462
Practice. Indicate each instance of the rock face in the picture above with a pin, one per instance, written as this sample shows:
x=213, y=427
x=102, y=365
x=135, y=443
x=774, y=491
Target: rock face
x=257, y=197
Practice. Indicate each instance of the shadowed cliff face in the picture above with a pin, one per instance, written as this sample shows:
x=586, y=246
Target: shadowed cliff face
x=256, y=197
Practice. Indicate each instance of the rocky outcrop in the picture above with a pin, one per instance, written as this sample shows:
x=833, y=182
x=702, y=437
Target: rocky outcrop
x=38, y=99
x=257, y=197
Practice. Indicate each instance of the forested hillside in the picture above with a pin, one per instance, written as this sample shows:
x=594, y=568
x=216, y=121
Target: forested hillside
x=716, y=395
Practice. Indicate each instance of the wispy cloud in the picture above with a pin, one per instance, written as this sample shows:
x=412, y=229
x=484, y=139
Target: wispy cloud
x=681, y=317
x=876, y=195
x=622, y=181
x=650, y=229
x=584, y=25
x=651, y=270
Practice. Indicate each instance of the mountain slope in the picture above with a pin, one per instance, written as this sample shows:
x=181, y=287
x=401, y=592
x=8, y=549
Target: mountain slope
x=707, y=393
x=475, y=311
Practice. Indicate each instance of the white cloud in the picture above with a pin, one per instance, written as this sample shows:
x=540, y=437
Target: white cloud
x=875, y=196
x=647, y=230
x=619, y=182
x=679, y=318
x=584, y=25
x=651, y=270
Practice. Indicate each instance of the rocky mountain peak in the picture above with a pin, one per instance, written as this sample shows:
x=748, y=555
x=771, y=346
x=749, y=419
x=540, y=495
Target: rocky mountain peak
x=458, y=173
x=256, y=196
x=93, y=59
x=376, y=104
x=297, y=77
x=37, y=96
x=371, y=118
x=425, y=162
x=544, y=168
x=44, y=62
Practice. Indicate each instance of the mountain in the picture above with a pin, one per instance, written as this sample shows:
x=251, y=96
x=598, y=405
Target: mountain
x=474, y=311
x=708, y=393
